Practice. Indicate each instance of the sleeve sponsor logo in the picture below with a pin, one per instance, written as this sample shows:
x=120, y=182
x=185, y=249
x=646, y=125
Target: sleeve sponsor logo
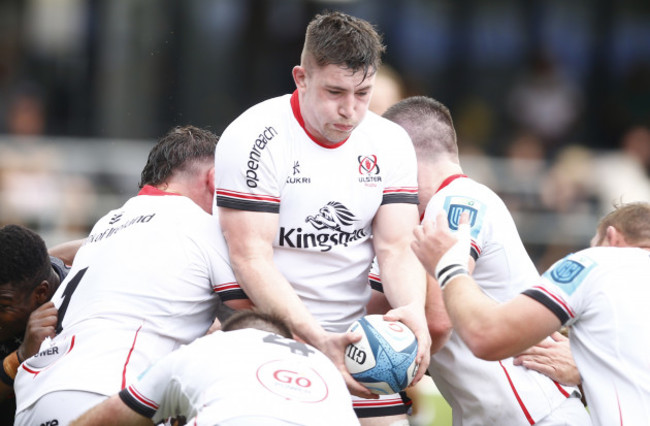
x=255, y=155
x=570, y=272
x=455, y=206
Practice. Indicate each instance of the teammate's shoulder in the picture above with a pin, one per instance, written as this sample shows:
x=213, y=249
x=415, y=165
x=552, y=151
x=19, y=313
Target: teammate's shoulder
x=264, y=120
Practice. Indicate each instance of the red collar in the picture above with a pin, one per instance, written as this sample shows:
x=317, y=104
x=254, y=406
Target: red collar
x=295, y=107
x=152, y=190
x=449, y=180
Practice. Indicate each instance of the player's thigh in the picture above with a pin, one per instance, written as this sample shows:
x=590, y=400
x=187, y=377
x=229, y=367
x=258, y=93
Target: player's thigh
x=58, y=408
x=570, y=413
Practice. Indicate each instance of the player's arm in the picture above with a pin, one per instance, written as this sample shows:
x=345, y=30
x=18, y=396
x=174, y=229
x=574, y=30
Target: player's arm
x=491, y=330
x=438, y=320
x=250, y=244
x=66, y=251
x=41, y=324
x=112, y=412
x=402, y=276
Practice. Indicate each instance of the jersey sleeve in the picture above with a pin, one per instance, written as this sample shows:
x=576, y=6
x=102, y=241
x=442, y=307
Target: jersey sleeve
x=157, y=394
x=402, y=186
x=245, y=174
x=561, y=287
x=374, y=277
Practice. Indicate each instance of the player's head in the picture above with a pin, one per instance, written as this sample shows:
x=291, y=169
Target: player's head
x=27, y=279
x=627, y=225
x=429, y=124
x=182, y=150
x=336, y=74
x=183, y=159
x=336, y=38
x=256, y=319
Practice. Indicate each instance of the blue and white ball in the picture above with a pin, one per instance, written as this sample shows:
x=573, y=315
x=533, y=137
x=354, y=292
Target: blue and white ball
x=384, y=359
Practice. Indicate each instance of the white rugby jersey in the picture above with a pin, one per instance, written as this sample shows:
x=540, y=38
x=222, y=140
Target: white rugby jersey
x=603, y=294
x=140, y=286
x=490, y=392
x=326, y=198
x=243, y=373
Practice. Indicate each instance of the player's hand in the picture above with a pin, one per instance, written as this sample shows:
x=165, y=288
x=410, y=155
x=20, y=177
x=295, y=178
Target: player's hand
x=41, y=324
x=443, y=254
x=334, y=346
x=413, y=317
x=551, y=357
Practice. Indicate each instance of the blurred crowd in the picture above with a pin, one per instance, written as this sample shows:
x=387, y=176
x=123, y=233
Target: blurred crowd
x=556, y=189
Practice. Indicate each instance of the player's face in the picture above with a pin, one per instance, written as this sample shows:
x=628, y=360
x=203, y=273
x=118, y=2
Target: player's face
x=15, y=307
x=333, y=101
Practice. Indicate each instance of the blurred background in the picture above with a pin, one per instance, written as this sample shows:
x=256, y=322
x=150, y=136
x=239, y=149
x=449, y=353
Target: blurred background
x=551, y=99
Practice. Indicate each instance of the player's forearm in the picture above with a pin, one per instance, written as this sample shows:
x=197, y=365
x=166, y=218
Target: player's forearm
x=111, y=412
x=271, y=292
x=66, y=251
x=402, y=276
x=491, y=330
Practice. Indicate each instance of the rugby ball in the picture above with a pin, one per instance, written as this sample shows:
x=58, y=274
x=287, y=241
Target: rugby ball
x=384, y=359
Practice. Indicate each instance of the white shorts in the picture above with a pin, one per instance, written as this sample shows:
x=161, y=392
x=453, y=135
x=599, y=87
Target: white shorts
x=61, y=407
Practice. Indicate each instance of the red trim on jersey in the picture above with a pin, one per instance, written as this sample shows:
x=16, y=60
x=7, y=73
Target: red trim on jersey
x=374, y=277
x=514, y=390
x=557, y=299
x=378, y=402
x=144, y=400
x=152, y=190
x=246, y=196
x=128, y=358
x=225, y=286
x=561, y=389
x=449, y=180
x=397, y=190
x=295, y=107
x=475, y=246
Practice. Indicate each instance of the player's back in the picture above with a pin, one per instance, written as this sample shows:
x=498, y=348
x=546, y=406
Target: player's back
x=603, y=294
x=490, y=392
x=285, y=380
x=139, y=287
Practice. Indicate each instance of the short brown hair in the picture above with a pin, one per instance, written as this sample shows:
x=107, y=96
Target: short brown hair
x=178, y=151
x=429, y=124
x=257, y=319
x=340, y=39
x=632, y=220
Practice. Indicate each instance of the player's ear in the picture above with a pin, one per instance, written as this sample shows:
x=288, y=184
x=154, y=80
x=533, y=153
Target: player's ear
x=210, y=180
x=41, y=293
x=299, y=76
x=615, y=238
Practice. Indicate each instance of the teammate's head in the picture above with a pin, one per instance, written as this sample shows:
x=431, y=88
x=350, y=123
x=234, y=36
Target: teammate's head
x=429, y=124
x=256, y=319
x=181, y=151
x=336, y=38
x=27, y=279
x=630, y=221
